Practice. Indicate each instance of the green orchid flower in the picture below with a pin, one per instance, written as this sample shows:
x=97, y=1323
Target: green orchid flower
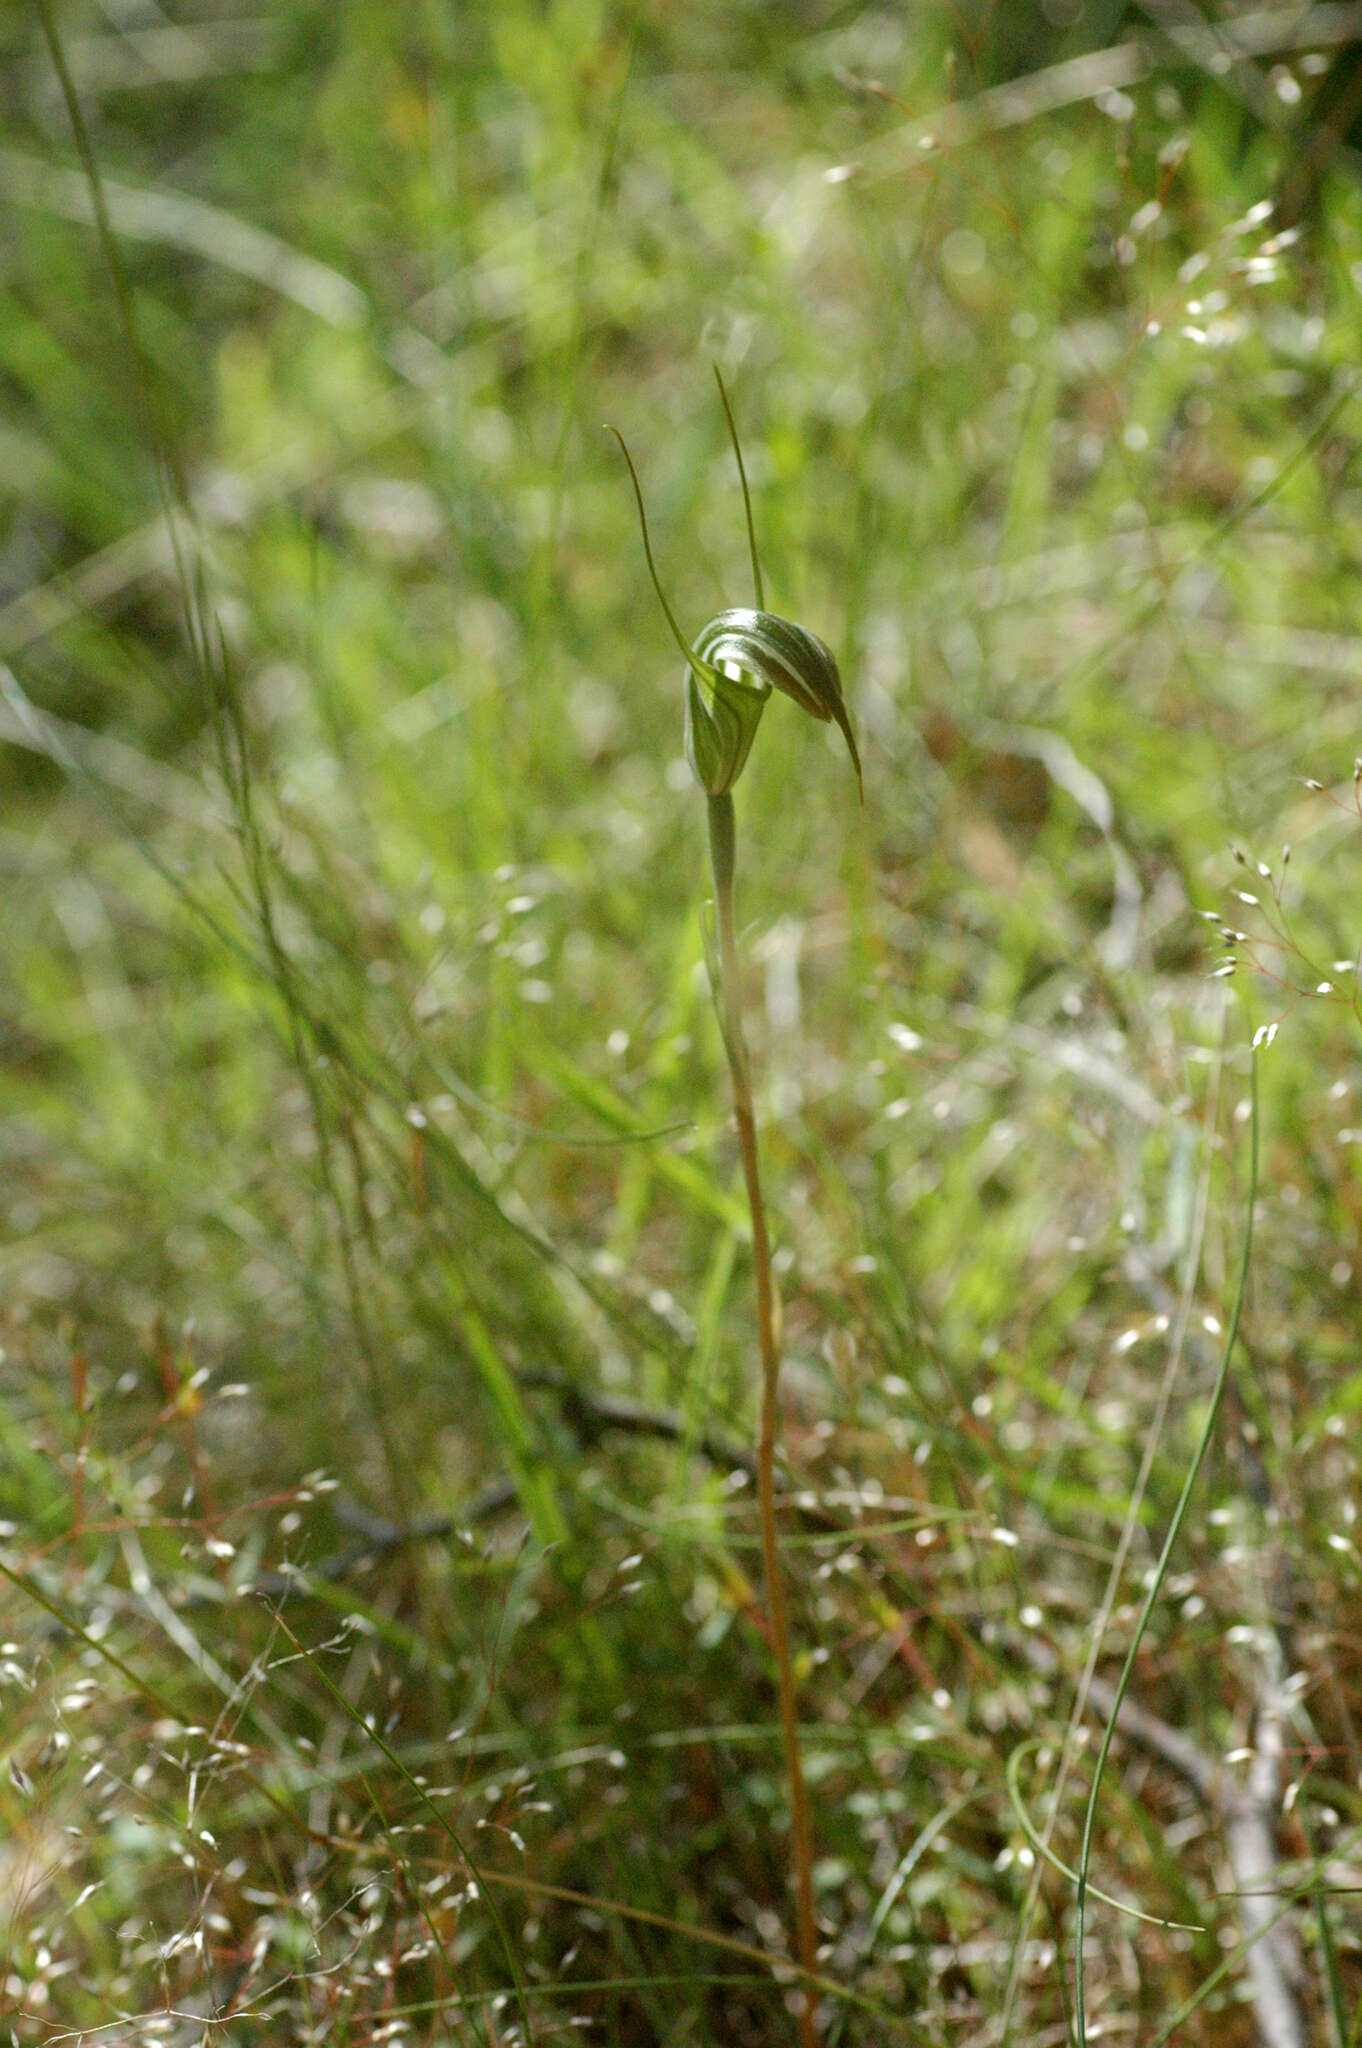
x=735, y=662
x=747, y=654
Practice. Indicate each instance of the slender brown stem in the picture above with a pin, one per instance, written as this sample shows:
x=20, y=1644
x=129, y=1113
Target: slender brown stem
x=721, y=854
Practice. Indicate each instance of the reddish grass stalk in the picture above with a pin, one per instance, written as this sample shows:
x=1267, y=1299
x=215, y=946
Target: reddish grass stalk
x=722, y=862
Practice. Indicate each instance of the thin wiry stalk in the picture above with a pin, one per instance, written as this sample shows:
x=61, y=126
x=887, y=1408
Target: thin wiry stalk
x=1116, y=1573
x=1161, y=1571
x=746, y=493
x=721, y=854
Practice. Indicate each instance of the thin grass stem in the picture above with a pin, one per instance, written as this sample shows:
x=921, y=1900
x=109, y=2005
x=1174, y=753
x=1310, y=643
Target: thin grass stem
x=1161, y=1569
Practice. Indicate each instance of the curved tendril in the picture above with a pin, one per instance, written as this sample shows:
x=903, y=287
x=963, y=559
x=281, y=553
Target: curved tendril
x=746, y=494
x=677, y=634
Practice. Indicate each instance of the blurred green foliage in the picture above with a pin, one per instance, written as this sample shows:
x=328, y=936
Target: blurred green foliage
x=352, y=967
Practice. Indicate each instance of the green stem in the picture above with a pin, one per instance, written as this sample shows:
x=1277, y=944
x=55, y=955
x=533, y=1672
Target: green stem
x=1082, y=1887
x=722, y=863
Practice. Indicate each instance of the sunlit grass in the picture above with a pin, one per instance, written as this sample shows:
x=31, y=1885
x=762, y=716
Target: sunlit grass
x=336, y=1053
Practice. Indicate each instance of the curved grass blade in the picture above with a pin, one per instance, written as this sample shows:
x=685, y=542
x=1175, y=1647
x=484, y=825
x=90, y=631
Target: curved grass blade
x=1042, y=1848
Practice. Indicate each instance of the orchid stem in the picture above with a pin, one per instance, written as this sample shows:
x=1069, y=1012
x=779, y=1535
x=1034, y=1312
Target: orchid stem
x=722, y=864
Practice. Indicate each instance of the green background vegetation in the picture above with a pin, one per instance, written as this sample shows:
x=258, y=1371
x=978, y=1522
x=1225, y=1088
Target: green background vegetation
x=351, y=877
